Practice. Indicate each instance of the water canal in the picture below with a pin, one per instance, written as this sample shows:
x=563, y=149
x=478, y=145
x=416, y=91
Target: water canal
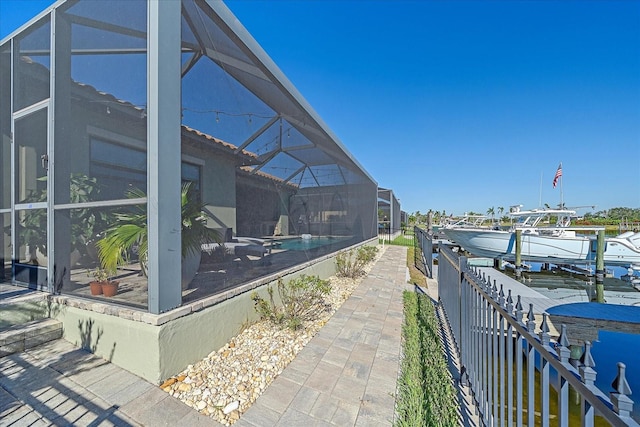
x=612, y=342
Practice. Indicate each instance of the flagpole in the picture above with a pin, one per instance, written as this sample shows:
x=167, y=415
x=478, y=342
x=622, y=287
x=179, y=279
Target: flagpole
x=540, y=202
x=561, y=193
x=558, y=176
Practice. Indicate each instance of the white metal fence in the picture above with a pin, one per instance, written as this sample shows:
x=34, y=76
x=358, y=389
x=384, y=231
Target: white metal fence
x=513, y=366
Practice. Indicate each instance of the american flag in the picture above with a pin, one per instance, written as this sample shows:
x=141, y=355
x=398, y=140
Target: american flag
x=557, y=176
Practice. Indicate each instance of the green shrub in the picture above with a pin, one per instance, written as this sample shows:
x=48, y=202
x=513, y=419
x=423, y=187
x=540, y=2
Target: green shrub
x=302, y=300
x=267, y=310
x=426, y=396
x=351, y=263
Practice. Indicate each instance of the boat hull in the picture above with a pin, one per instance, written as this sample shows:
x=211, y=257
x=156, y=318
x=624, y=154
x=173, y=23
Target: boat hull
x=544, y=248
x=501, y=244
x=622, y=251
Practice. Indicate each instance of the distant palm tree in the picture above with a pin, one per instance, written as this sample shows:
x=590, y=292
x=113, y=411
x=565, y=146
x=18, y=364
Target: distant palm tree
x=491, y=211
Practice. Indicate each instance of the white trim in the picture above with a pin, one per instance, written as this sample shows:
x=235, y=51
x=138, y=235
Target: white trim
x=33, y=108
x=101, y=204
x=30, y=206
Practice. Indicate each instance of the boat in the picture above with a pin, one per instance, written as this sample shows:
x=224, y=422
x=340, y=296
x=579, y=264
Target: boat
x=547, y=236
x=631, y=277
x=624, y=249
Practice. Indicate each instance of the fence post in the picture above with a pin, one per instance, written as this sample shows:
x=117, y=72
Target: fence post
x=620, y=400
x=563, y=385
x=588, y=378
x=531, y=369
x=501, y=354
x=509, y=361
x=544, y=372
x=459, y=301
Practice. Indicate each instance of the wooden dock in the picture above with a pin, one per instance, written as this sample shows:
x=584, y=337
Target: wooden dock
x=583, y=319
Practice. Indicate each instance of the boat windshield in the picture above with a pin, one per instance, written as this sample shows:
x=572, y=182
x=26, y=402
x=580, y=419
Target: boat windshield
x=467, y=221
x=542, y=217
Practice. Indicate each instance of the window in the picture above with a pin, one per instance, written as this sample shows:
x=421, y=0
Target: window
x=120, y=168
x=191, y=174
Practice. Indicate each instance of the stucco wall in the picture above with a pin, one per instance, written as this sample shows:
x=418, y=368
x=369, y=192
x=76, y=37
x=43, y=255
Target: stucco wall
x=155, y=347
x=218, y=180
x=130, y=344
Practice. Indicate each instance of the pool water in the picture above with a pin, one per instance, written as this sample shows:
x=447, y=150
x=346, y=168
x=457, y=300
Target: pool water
x=607, y=351
x=300, y=244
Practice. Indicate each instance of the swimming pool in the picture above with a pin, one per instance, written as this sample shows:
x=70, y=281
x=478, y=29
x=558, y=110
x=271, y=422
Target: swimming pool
x=300, y=244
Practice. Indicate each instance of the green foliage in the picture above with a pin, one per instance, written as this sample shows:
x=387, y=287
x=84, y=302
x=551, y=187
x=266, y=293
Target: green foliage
x=99, y=274
x=351, y=263
x=616, y=214
x=426, y=394
x=131, y=229
x=402, y=240
x=268, y=310
x=85, y=222
x=128, y=230
x=302, y=300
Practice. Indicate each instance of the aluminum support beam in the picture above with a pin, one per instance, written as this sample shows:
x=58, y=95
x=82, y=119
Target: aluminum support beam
x=163, y=155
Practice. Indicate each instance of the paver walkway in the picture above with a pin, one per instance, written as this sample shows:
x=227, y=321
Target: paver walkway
x=61, y=385
x=345, y=376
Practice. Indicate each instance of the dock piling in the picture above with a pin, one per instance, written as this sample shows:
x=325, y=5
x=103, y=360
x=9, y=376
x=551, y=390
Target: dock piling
x=518, y=254
x=600, y=267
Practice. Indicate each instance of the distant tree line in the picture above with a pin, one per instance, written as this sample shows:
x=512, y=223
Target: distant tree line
x=629, y=214
x=614, y=216
x=610, y=216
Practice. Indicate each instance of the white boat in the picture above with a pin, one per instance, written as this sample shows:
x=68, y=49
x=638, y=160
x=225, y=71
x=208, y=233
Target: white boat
x=547, y=236
x=624, y=249
x=631, y=277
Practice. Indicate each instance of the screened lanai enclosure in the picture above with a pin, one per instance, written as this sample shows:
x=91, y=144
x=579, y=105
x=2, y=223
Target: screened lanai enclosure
x=127, y=124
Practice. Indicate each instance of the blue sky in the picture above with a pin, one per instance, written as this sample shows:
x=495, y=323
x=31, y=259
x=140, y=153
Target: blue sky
x=463, y=105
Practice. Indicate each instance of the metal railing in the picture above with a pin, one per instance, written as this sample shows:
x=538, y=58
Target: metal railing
x=506, y=363
x=423, y=253
x=398, y=236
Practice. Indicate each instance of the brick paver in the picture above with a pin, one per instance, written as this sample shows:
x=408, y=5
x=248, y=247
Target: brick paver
x=352, y=380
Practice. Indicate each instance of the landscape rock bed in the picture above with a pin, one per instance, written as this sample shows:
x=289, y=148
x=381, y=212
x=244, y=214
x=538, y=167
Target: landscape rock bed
x=228, y=381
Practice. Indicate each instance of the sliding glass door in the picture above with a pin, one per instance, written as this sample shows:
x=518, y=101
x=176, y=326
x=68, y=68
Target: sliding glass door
x=30, y=186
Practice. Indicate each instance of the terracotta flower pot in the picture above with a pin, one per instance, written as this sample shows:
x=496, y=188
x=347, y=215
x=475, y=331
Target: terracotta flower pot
x=96, y=288
x=109, y=289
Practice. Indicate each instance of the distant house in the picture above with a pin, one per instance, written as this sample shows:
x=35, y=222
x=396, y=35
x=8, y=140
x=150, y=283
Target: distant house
x=389, y=213
x=106, y=109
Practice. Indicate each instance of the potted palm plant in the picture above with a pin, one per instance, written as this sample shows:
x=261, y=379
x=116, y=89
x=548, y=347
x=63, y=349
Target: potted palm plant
x=130, y=231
